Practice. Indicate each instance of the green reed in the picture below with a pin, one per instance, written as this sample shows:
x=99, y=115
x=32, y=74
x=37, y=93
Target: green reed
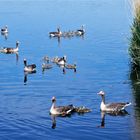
x=135, y=38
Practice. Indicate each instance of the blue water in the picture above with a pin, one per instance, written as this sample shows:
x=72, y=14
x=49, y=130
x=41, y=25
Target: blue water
x=102, y=59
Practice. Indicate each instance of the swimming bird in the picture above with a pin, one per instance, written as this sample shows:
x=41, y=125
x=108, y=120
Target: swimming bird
x=46, y=66
x=62, y=61
x=111, y=107
x=56, y=34
x=46, y=58
x=55, y=59
x=10, y=50
x=70, y=66
x=60, y=110
x=82, y=109
x=80, y=31
x=4, y=29
x=29, y=68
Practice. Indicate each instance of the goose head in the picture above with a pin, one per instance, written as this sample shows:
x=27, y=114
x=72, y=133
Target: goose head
x=25, y=62
x=65, y=57
x=6, y=26
x=59, y=31
x=17, y=44
x=53, y=99
x=101, y=93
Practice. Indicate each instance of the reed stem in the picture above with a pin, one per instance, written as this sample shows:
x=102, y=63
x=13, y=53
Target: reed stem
x=135, y=39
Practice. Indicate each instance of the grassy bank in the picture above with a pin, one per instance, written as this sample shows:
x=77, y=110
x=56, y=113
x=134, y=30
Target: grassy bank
x=135, y=39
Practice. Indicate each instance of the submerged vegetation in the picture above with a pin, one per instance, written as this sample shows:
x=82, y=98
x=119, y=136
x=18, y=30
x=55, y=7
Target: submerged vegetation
x=135, y=39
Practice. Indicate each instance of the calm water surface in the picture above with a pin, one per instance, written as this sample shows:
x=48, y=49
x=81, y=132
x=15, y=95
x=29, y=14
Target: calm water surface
x=102, y=64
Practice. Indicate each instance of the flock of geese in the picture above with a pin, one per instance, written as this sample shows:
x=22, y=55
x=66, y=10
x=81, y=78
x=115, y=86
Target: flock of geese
x=62, y=61
x=113, y=108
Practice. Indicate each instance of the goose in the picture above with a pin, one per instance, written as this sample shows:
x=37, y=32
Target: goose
x=69, y=66
x=82, y=109
x=46, y=66
x=111, y=107
x=29, y=68
x=56, y=34
x=80, y=31
x=62, y=61
x=11, y=50
x=4, y=29
x=55, y=59
x=46, y=58
x=60, y=110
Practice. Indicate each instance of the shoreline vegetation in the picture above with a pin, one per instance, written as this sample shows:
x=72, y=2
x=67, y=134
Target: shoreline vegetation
x=134, y=49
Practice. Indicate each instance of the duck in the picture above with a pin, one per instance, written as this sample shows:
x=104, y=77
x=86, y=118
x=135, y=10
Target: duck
x=80, y=31
x=4, y=29
x=62, y=60
x=56, y=34
x=11, y=50
x=46, y=66
x=70, y=66
x=29, y=68
x=60, y=110
x=112, y=107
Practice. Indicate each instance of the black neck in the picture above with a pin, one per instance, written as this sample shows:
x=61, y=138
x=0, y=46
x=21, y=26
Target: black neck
x=103, y=99
x=17, y=44
x=25, y=62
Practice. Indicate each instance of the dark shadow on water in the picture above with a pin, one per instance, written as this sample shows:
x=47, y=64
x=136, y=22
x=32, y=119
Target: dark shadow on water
x=5, y=35
x=16, y=54
x=60, y=39
x=135, y=82
x=113, y=114
x=53, y=118
x=26, y=76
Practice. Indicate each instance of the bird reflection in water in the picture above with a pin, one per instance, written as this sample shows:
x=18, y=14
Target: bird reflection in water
x=26, y=76
x=53, y=118
x=12, y=53
x=116, y=113
x=5, y=35
x=53, y=121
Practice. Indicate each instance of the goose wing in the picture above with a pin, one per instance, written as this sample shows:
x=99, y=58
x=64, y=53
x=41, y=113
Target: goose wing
x=65, y=109
x=33, y=66
x=117, y=106
x=3, y=29
x=53, y=32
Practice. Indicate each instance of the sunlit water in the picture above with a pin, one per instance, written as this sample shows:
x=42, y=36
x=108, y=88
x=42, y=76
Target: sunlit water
x=102, y=64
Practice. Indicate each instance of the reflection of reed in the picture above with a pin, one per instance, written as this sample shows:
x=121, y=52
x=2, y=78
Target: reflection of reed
x=135, y=81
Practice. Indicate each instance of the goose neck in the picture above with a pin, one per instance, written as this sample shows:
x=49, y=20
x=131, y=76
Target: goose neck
x=103, y=99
